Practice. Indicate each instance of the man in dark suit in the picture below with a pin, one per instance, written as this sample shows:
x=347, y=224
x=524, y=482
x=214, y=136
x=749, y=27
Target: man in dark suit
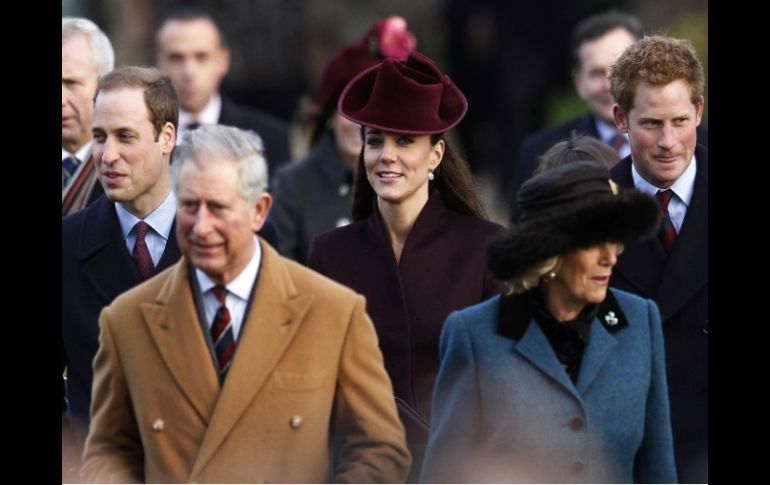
x=658, y=86
x=192, y=49
x=86, y=54
x=101, y=245
x=596, y=43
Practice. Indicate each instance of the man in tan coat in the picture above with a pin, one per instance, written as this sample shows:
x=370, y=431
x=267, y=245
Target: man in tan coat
x=236, y=364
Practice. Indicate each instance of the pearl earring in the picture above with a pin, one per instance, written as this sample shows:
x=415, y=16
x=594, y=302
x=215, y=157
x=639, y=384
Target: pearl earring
x=430, y=175
x=549, y=276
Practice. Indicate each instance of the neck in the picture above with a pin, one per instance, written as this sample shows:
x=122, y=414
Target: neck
x=562, y=308
x=145, y=204
x=400, y=217
x=73, y=147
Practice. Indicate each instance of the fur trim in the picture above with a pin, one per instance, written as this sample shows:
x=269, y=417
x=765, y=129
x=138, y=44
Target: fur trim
x=621, y=218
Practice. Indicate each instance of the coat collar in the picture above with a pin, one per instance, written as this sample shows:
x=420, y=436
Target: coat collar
x=515, y=321
x=272, y=321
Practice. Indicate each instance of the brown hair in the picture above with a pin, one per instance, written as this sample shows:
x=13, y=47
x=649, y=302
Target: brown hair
x=576, y=148
x=159, y=96
x=452, y=180
x=656, y=60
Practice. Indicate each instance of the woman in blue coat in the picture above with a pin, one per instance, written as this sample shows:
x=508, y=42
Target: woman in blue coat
x=416, y=246
x=562, y=379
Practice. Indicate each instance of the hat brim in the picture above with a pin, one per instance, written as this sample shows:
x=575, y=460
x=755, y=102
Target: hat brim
x=622, y=218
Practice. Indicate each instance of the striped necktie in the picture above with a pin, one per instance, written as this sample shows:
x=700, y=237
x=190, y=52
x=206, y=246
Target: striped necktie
x=618, y=142
x=68, y=168
x=222, y=332
x=141, y=254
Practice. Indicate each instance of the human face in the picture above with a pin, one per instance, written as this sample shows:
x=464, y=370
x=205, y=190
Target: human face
x=132, y=160
x=582, y=278
x=192, y=54
x=347, y=138
x=397, y=165
x=78, y=86
x=215, y=225
x=592, y=77
x=661, y=130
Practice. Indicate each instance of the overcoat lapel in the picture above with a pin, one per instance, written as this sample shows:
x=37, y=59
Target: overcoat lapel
x=534, y=346
x=173, y=324
x=273, y=320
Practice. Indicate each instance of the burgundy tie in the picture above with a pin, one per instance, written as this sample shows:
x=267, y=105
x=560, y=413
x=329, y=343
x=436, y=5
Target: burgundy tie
x=141, y=254
x=618, y=142
x=222, y=332
x=667, y=232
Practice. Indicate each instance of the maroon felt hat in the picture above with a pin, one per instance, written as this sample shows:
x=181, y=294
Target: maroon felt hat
x=386, y=38
x=411, y=97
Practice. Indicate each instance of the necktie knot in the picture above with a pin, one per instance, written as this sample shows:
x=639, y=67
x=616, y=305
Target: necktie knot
x=220, y=292
x=68, y=168
x=193, y=125
x=141, y=230
x=664, y=197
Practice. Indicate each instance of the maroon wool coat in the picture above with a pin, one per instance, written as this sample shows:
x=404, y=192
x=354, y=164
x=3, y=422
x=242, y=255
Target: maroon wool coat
x=441, y=270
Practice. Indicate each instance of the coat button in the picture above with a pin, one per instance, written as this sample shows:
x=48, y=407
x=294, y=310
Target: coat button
x=576, y=424
x=578, y=467
x=295, y=421
x=158, y=425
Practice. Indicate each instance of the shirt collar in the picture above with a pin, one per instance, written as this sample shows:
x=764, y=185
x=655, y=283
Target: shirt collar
x=160, y=220
x=683, y=186
x=209, y=115
x=83, y=154
x=242, y=284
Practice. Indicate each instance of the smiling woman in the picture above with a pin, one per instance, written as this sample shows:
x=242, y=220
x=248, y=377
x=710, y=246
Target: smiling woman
x=416, y=244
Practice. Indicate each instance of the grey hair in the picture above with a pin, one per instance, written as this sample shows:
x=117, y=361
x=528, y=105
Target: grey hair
x=532, y=277
x=102, y=52
x=225, y=144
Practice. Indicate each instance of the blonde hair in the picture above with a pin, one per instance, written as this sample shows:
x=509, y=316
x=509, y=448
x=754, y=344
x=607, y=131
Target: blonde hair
x=532, y=276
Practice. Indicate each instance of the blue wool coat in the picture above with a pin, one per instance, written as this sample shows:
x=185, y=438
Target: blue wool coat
x=505, y=410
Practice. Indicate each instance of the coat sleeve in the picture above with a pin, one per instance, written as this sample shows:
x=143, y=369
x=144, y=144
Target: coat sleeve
x=370, y=445
x=456, y=409
x=286, y=215
x=113, y=452
x=655, y=459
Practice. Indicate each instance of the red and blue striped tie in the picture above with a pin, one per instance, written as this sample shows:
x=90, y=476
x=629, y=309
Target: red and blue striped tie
x=222, y=332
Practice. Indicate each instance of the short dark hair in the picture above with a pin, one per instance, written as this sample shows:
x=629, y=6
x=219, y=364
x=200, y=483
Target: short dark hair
x=159, y=95
x=576, y=148
x=597, y=25
x=186, y=13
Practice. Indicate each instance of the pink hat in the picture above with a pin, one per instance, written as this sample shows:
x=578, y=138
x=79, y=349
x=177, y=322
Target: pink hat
x=410, y=97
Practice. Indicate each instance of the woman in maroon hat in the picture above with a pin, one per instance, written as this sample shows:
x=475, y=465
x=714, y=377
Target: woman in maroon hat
x=314, y=194
x=415, y=249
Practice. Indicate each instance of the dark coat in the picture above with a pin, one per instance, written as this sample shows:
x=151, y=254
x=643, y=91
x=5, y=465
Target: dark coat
x=273, y=131
x=678, y=282
x=506, y=411
x=310, y=196
x=535, y=145
x=96, y=267
x=441, y=270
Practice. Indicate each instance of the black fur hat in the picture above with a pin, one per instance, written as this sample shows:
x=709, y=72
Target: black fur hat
x=570, y=207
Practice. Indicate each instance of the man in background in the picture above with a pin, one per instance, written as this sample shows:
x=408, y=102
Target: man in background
x=192, y=49
x=86, y=54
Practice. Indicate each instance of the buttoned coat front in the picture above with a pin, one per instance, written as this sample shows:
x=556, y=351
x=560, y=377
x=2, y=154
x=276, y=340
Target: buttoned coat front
x=505, y=410
x=306, y=399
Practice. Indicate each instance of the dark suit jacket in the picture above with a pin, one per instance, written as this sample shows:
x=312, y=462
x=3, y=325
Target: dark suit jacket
x=310, y=196
x=441, y=270
x=538, y=143
x=96, y=267
x=678, y=282
x=273, y=131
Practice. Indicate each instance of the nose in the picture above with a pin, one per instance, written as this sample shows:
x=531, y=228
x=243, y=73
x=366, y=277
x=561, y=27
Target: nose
x=667, y=140
x=609, y=254
x=202, y=225
x=109, y=152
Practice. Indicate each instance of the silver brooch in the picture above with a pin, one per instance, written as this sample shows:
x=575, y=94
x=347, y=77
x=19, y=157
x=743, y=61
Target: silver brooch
x=611, y=319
